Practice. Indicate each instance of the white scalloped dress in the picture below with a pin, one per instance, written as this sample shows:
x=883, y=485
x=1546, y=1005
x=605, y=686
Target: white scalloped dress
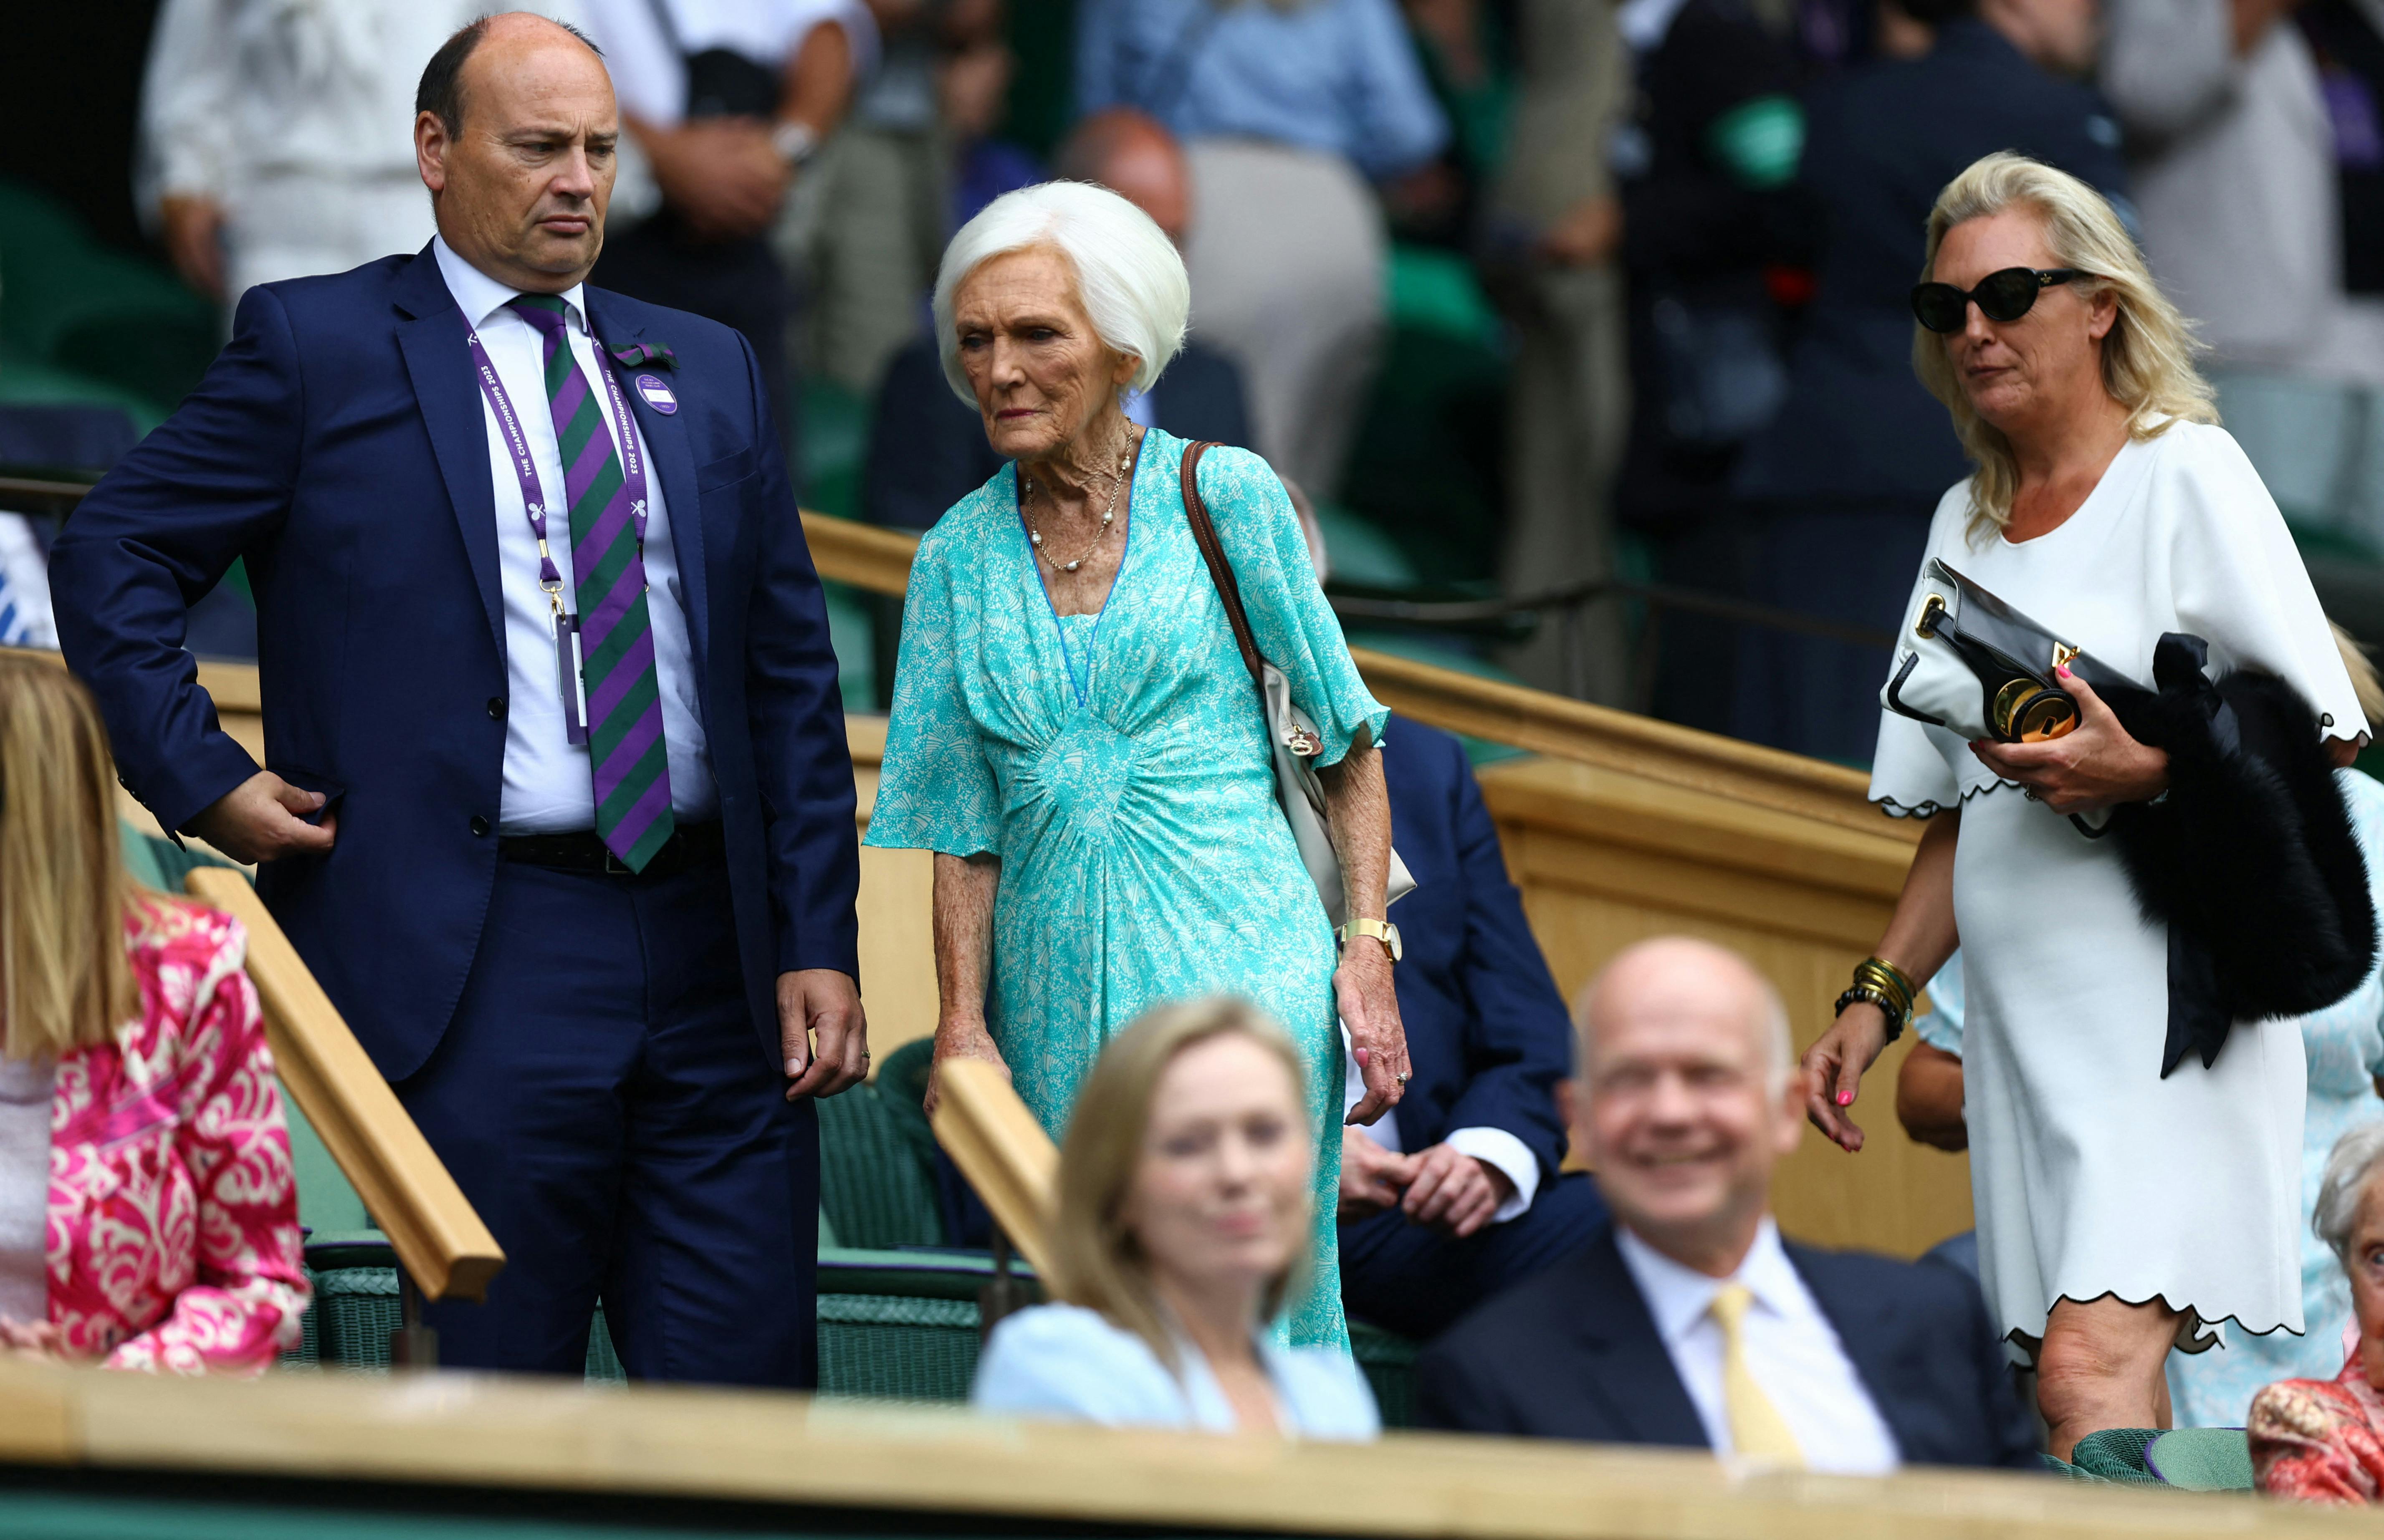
x=2090, y=1174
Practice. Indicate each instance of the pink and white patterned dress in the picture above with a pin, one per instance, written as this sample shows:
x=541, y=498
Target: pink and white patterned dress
x=172, y=1231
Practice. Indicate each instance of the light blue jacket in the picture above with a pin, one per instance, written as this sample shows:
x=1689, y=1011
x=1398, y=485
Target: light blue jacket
x=1339, y=76
x=1067, y=1362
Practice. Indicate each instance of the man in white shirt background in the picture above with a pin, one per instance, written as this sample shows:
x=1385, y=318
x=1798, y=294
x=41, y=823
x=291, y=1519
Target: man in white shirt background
x=728, y=100
x=276, y=138
x=1692, y=1322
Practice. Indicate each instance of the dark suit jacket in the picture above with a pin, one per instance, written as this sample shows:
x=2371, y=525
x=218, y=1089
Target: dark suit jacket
x=927, y=449
x=1573, y=1353
x=337, y=445
x=1487, y=1034
x=1881, y=142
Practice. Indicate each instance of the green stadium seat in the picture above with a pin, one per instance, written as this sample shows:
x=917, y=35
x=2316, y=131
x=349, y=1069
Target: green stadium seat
x=69, y=301
x=2201, y=1460
x=2111, y=1455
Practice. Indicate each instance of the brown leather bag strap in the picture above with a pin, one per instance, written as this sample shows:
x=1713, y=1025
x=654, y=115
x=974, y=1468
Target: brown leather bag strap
x=1221, y=571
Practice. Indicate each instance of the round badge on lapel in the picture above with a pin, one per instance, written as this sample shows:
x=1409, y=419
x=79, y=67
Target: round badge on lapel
x=658, y=395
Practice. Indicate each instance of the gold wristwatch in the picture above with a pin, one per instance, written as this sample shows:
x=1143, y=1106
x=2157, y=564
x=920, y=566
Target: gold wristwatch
x=1381, y=930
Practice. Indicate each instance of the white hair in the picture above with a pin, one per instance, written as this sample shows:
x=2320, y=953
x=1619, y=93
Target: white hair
x=2349, y=1168
x=1129, y=276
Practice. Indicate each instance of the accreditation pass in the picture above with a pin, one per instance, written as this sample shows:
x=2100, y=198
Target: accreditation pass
x=571, y=677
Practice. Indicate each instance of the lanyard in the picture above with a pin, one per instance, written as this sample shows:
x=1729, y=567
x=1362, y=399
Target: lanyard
x=633, y=461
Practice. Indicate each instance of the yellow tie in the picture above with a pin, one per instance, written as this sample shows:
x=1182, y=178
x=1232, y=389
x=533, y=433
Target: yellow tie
x=1756, y=1429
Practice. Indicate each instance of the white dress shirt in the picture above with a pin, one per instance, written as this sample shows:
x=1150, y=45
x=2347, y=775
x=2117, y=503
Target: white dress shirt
x=297, y=116
x=549, y=786
x=1493, y=1146
x=650, y=74
x=1792, y=1350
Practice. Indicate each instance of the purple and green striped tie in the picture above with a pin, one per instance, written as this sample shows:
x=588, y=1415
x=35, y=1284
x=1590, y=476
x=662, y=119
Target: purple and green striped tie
x=616, y=634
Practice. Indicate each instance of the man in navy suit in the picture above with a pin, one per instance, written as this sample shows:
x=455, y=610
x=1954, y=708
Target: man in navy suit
x=1690, y=1322
x=559, y=807
x=1457, y=1194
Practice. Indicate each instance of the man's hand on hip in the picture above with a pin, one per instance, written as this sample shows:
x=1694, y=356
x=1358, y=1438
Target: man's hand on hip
x=263, y=819
x=822, y=1032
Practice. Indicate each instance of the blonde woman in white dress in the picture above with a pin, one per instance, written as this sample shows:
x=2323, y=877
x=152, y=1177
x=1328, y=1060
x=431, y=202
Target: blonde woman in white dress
x=2118, y=1212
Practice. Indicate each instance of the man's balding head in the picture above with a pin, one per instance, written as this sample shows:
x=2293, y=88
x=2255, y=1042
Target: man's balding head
x=1682, y=976
x=1132, y=156
x=514, y=133
x=1688, y=1096
x=441, y=91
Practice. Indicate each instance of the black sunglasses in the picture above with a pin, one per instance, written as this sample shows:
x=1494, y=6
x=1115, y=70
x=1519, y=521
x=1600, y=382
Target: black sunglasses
x=2004, y=296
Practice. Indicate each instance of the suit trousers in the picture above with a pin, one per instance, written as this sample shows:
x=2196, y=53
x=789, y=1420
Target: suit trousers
x=1849, y=559
x=1567, y=411
x=602, y=1098
x=1413, y=1280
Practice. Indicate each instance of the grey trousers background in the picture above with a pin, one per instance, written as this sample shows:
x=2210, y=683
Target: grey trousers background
x=1289, y=263
x=1569, y=408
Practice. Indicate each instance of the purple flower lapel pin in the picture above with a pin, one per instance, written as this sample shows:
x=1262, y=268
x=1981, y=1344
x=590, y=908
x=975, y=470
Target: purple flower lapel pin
x=638, y=355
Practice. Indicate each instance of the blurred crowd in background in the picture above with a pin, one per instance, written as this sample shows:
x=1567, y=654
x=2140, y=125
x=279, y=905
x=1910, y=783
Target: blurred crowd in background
x=1583, y=325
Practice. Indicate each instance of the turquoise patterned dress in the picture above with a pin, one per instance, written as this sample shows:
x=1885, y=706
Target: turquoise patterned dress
x=1118, y=765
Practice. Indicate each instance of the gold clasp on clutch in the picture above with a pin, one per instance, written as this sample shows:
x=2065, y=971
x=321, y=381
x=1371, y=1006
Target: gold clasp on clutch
x=1931, y=609
x=2062, y=654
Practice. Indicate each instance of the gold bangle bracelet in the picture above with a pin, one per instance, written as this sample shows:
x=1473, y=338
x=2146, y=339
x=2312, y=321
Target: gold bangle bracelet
x=1890, y=980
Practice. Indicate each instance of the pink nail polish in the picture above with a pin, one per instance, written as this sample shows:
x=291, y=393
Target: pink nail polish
x=1845, y=1099
x=2062, y=673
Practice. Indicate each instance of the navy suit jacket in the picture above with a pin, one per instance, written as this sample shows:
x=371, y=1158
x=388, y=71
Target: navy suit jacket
x=927, y=449
x=1573, y=1353
x=338, y=445
x=1488, y=1036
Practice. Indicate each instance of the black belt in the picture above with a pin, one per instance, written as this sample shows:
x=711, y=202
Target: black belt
x=689, y=845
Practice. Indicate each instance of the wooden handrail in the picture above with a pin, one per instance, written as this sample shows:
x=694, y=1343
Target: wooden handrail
x=437, y=1234
x=487, y=1443
x=880, y=560
x=1002, y=1151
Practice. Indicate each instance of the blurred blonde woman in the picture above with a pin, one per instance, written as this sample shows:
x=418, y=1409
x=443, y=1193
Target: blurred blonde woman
x=2127, y=1199
x=148, y=1209
x=1183, y=1228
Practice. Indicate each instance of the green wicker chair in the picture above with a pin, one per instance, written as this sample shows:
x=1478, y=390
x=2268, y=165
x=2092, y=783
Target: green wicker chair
x=1388, y=1362
x=2111, y=1455
x=877, y=1181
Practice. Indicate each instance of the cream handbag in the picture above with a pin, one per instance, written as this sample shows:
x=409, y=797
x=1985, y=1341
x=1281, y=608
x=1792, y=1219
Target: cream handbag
x=1290, y=733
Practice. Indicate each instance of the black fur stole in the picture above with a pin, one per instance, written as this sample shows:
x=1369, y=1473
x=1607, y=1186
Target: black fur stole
x=2250, y=860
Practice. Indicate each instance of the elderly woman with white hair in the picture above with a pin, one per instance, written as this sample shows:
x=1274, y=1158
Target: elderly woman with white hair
x=2129, y=1196
x=2323, y=1440
x=1075, y=732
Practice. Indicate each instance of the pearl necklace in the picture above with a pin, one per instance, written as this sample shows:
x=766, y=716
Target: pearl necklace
x=1117, y=482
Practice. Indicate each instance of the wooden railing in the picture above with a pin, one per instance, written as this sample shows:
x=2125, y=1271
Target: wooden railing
x=437, y=1236
x=1002, y=1151
x=720, y=1461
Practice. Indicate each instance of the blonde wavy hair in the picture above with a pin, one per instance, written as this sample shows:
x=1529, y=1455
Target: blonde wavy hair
x=2147, y=357
x=63, y=899
x=1096, y=1261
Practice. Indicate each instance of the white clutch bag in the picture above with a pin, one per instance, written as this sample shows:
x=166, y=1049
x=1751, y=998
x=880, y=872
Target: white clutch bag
x=1974, y=666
